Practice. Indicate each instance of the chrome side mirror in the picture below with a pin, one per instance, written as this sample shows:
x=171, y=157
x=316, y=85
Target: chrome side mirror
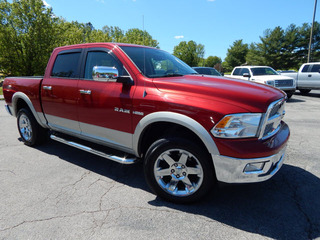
x=105, y=74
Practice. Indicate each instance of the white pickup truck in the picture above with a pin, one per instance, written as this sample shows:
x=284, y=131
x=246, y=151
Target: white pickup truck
x=307, y=78
x=265, y=75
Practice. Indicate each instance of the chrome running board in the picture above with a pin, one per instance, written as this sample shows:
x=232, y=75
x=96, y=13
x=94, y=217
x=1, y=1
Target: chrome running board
x=119, y=159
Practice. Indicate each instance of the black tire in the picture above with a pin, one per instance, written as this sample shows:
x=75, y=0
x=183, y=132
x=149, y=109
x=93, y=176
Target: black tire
x=289, y=94
x=178, y=170
x=30, y=131
x=304, y=91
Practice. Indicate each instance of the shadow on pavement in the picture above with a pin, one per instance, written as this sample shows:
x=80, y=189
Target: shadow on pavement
x=285, y=207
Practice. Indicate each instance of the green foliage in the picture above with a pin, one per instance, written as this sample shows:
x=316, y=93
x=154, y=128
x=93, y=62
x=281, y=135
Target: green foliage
x=27, y=36
x=29, y=32
x=285, y=49
x=137, y=36
x=191, y=53
x=236, y=55
x=211, y=61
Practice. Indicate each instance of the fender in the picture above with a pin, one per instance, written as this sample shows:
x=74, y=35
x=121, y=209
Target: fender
x=176, y=118
x=20, y=95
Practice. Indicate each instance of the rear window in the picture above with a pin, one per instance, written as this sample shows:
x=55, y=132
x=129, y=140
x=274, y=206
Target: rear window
x=66, y=65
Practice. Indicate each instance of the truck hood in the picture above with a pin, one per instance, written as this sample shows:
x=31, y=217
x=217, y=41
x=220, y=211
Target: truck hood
x=249, y=96
x=264, y=78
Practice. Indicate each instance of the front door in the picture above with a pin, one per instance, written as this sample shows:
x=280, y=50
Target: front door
x=105, y=108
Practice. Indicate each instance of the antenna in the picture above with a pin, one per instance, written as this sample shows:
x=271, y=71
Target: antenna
x=144, y=57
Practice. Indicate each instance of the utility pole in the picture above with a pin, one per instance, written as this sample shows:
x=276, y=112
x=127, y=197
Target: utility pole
x=311, y=33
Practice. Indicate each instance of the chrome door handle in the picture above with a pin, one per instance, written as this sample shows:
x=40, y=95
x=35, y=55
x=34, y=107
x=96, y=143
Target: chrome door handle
x=47, y=87
x=87, y=92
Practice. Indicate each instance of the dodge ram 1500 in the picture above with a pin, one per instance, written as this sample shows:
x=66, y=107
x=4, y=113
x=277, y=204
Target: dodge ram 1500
x=127, y=102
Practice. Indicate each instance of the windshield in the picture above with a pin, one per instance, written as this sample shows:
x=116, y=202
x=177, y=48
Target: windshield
x=155, y=63
x=263, y=71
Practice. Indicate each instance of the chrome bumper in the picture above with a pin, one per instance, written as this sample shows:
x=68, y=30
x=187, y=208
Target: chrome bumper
x=8, y=108
x=235, y=170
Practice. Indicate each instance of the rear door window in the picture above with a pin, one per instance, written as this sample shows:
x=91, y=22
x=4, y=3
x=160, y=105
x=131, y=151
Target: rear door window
x=305, y=68
x=66, y=65
x=237, y=71
x=315, y=68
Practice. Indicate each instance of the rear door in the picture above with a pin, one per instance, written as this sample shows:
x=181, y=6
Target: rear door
x=60, y=93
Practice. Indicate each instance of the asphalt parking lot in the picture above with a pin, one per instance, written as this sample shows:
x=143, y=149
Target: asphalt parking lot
x=58, y=192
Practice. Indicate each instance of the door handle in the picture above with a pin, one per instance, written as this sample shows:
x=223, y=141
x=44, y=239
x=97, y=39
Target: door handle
x=309, y=75
x=86, y=92
x=47, y=87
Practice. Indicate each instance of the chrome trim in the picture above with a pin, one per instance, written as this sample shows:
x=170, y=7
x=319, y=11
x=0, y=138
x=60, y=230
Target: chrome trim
x=47, y=88
x=231, y=170
x=119, y=159
x=274, y=119
x=176, y=118
x=86, y=92
x=21, y=95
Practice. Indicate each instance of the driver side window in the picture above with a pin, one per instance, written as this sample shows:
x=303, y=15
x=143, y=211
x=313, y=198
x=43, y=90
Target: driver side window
x=102, y=59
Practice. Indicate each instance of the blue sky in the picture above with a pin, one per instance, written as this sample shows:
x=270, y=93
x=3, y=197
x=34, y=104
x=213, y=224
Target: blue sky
x=214, y=23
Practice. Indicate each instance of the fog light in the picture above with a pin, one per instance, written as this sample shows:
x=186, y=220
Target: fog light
x=254, y=167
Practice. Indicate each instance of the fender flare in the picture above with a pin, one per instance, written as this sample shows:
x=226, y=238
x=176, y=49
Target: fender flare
x=176, y=118
x=26, y=99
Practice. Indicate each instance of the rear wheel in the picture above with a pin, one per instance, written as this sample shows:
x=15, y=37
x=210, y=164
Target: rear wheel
x=178, y=170
x=30, y=131
x=304, y=91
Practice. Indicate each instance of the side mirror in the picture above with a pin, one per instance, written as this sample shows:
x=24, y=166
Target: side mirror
x=109, y=74
x=105, y=74
x=247, y=75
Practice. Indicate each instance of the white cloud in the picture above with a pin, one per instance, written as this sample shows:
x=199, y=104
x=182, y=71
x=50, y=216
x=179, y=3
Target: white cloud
x=46, y=4
x=100, y=1
x=179, y=37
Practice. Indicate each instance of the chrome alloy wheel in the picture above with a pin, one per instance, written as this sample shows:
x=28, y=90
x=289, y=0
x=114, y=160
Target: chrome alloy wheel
x=25, y=127
x=178, y=172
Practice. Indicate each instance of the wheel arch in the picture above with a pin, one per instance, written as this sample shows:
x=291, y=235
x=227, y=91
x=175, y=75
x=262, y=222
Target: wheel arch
x=20, y=100
x=172, y=120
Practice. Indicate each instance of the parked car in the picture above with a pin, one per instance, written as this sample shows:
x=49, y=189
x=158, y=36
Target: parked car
x=207, y=71
x=307, y=78
x=265, y=75
x=127, y=103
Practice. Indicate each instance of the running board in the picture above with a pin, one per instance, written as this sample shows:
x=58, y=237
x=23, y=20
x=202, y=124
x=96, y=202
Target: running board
x=123, y=160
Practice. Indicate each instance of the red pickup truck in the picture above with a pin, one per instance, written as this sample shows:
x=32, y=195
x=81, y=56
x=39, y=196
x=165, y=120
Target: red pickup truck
x=128, y=102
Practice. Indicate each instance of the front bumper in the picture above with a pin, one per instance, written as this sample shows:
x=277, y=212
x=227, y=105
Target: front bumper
x=236, y=170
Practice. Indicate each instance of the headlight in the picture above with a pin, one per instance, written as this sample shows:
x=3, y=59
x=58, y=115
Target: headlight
x=242, y=125
x=270, y=83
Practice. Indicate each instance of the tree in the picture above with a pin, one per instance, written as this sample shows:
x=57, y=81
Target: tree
x=211, y=61
x=191, y=53
x=236, y=55
x=114, y=33
x=137, y=36
x=254, y=55
x=27, y=36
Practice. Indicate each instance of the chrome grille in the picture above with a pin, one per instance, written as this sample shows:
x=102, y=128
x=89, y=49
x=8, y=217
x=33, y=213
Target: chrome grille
x=272, y=119
x=284, y=83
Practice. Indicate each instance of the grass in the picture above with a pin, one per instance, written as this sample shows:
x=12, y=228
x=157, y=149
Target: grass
x=1, y=92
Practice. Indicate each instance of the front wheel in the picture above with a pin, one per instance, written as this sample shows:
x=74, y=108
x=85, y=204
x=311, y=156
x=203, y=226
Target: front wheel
x=178, y=170
x=30, y=131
